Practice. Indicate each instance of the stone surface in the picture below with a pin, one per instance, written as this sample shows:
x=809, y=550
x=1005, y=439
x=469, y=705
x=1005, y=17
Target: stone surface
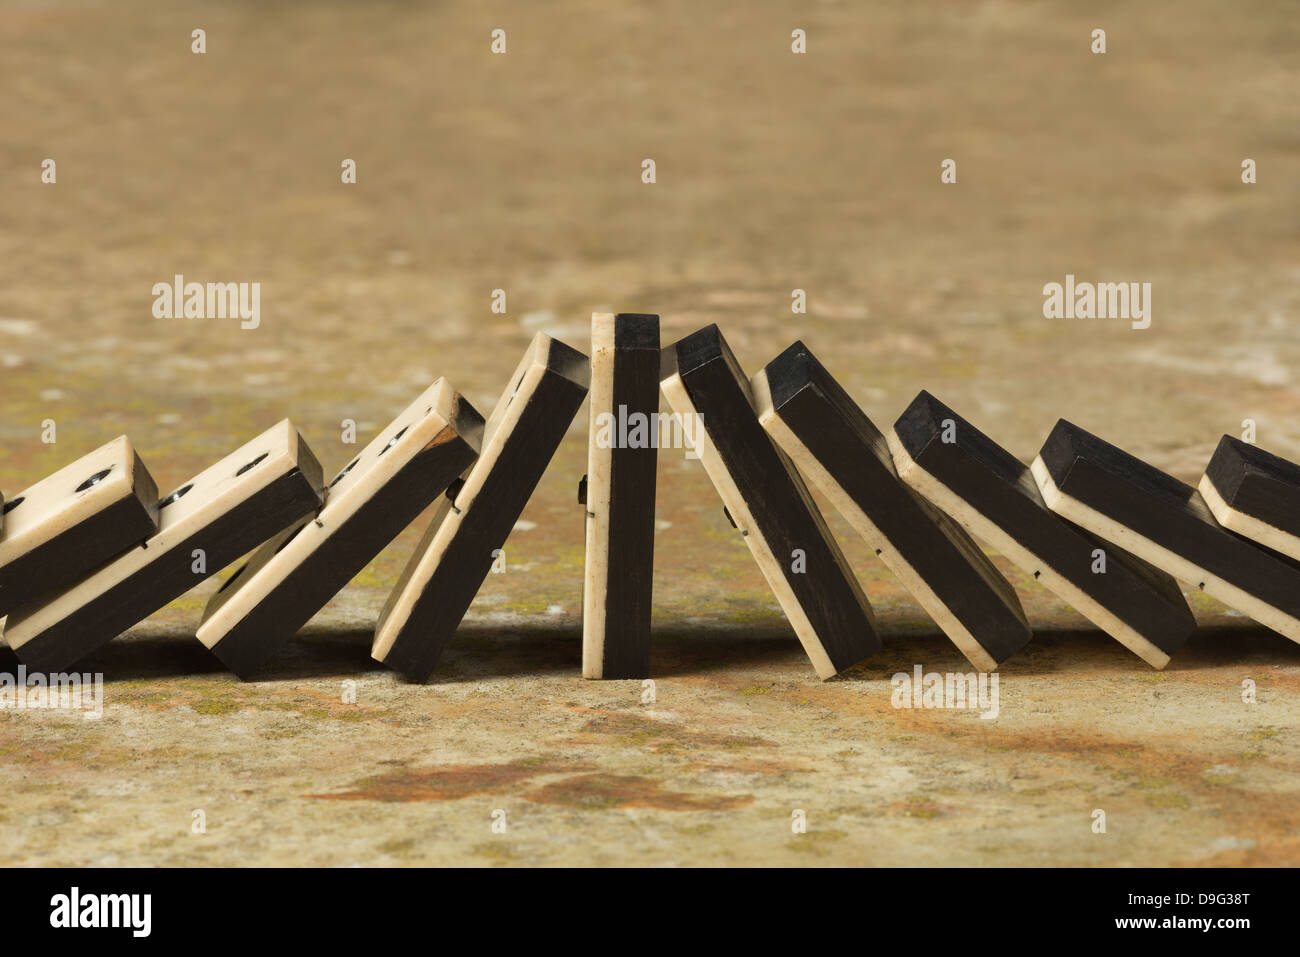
x=775, y=172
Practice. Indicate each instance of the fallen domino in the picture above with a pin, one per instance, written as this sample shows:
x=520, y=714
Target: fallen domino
x=619, y=496
x=769, y=504
x=832, y=442
x=88, y=552
x=1254, y=493
x=1124, y=500
x=455, y=555
x=408, y=464
x=74, y=520
x=994, y=496
x=207, y=523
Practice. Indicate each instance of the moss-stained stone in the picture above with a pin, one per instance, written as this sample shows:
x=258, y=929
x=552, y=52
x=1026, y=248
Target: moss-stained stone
x=525, y=174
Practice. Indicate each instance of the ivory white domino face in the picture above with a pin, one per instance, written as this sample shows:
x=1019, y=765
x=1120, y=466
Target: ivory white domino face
x=210, y=521
x=456, y=554
x=407, y=465
x=1255, y=494
x=1126, y=501
x=994, y=497
x=832, y=442
x=69, y=523
x=620, y=498
x=769, y=504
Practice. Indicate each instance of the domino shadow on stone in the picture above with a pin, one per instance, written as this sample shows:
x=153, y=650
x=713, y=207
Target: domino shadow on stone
x=994, y=496
x=1166, y=522
x=768, y=503
x=833, y=443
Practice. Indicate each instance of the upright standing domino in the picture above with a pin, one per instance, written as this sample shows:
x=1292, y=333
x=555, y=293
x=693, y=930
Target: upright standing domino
x=290, y=578
x=74, y=520
x=1149, y=512
x=832, y=442
x=769, y=504
x=456, y=554
x=207, y=523
x=1254, y=493
x=991, y=493
x=622, y=453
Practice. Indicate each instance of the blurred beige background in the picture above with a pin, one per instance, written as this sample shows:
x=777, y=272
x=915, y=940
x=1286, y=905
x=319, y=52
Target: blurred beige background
x=775, y=171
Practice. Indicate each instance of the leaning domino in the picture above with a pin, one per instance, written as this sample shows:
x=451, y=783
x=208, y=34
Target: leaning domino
x=832, y=442
x=1124, y=500
x=992, y=494
x=449, y=565
x=1254, y=493
x=769, y=504
x=408, y=465
x=74, y=520
x=207, y=523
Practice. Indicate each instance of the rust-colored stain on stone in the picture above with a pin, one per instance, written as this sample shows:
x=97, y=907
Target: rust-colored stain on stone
x=223, y=697
x=600, y=792
x=449, y=783
x=904, y=293
x=651, y=735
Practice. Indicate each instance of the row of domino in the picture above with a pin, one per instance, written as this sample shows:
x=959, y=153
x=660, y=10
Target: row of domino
x=91, y=550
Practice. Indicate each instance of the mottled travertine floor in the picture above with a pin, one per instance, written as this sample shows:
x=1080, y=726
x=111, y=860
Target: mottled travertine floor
x=775, y=172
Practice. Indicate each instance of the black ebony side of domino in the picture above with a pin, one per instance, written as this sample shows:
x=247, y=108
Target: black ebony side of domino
x=55, y=565
x=438, y=610
x=849, y=446
x=1257, y=483
x=786, y=516
x=632, y=502
x=1002, y=489
x=1170, y=513
x=235, y=533
x=341, y=556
